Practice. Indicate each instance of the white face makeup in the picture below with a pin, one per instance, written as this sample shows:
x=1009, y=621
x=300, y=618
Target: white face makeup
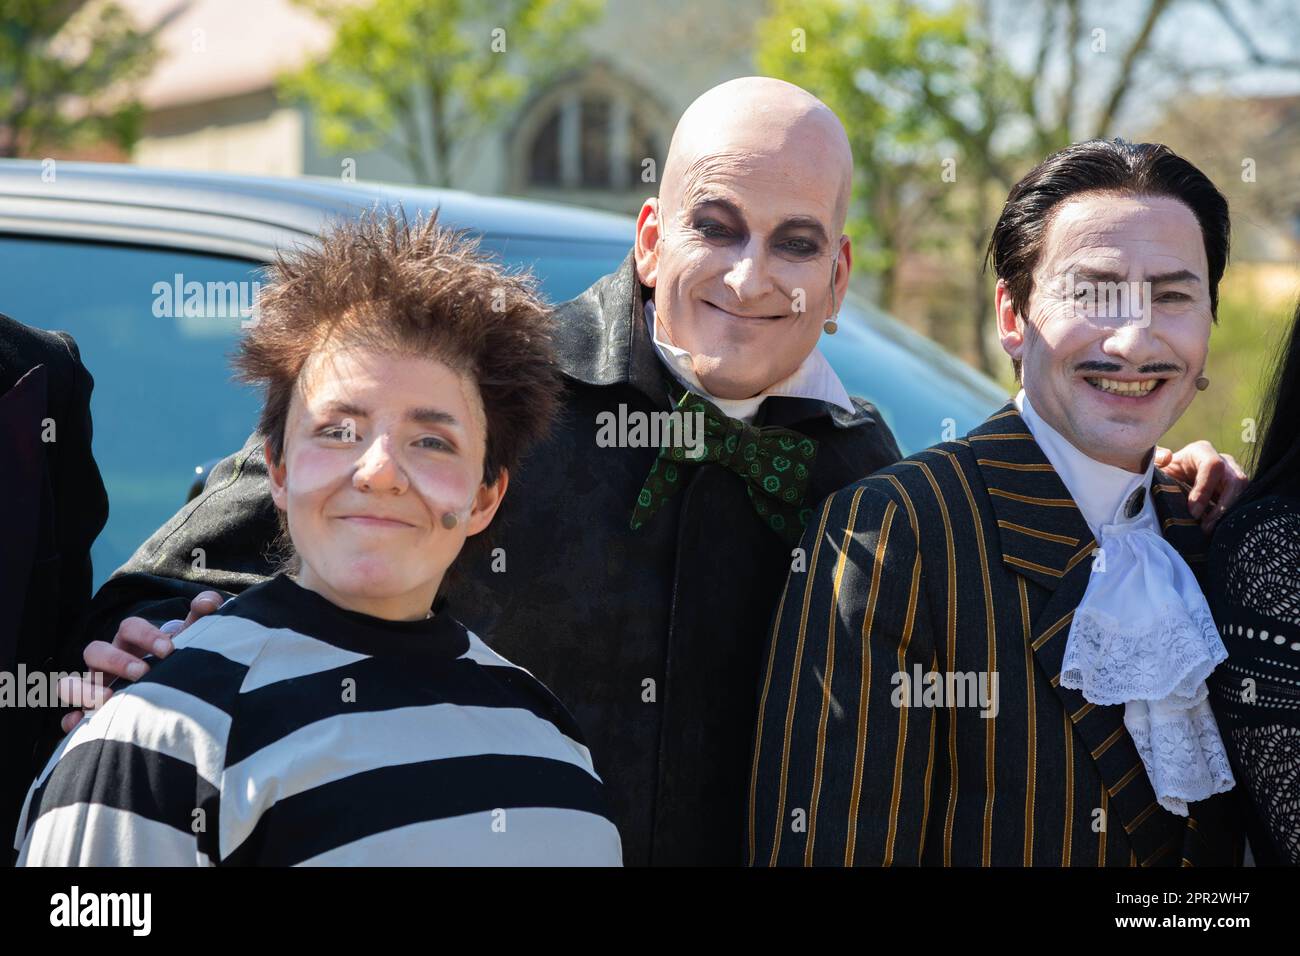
x=378, y=448
x=746, y=237
x=1118, y=323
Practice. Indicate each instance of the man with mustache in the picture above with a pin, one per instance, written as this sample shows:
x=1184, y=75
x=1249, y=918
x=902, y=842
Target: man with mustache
x=998, y=653
x=636, y=580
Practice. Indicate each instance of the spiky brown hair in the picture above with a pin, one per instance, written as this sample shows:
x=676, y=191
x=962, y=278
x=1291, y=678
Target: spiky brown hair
x=410, y=287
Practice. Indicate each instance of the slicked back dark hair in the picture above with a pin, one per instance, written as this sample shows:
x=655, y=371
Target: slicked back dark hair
x=1110, y=166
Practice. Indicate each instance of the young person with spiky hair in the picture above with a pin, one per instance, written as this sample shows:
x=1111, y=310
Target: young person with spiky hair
x=338, y=713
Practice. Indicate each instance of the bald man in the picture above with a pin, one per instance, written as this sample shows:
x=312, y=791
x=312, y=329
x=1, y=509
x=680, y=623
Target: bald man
x=637, y=576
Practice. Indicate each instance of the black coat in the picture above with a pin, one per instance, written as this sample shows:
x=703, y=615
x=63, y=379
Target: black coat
x=652, y=638
x=54, y=506
x=969, y=557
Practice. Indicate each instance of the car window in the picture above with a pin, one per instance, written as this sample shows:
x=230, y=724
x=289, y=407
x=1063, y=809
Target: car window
x=564, y=269
x=164, y=399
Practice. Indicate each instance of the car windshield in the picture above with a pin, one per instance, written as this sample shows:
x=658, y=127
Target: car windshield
x=165, y=403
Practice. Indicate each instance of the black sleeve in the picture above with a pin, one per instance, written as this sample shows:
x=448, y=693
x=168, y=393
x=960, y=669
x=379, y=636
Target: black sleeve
x=81, y=507
x=224, y=540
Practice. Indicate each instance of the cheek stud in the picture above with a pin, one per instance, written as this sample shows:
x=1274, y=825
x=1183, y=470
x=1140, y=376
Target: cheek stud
x=449, y=520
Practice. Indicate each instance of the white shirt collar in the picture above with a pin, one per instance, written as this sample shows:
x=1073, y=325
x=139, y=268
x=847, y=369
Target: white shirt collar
x=814, y=378
x=1101, y=491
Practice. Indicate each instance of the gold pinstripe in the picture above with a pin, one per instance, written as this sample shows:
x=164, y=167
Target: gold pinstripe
x=794, y=681
x=1030, y=565
x=1014, y=466
x=1003, y=436
x=1105, y=824
x=1069, y=791
x=1052, y=631
x=1124, y=780
x=1141, y=818
x=864, y=692
x=1007, y=414
x=1082, y=712
x=820, y=758
x=1030, y=500
x=1082, y=553
x=952, y=651
x=762, y=709
x=1108, y=742
x=1035, y=533
x=1031, y=773
x=891, y=833
x=990, y=637
x=1161, y=852
x=929, y=772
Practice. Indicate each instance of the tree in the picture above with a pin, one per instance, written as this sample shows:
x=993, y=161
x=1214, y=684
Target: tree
x=418, y=75
x=66, y=71
x=992, y=86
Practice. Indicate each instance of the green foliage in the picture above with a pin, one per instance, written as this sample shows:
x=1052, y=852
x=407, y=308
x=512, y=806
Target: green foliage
x=421, y=74
x=66, y=69
x=881, y=67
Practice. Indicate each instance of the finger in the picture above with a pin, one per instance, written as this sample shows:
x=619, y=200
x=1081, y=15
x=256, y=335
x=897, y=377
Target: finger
x=1212, y=515
x=138, y=637
x=84, y=694
x=1235, y=483
x=70, y=720
x=1163, y=456
x=1208, y=479
x=114, y=661
x=202, y=605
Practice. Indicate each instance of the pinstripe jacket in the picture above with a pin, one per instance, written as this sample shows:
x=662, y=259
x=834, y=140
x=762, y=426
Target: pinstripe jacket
x=965, y=561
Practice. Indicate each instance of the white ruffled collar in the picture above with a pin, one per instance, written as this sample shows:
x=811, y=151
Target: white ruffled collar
x=814, y=378
x=1142, y=635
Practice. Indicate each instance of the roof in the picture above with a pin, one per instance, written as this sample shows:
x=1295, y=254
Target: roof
x=251, y=216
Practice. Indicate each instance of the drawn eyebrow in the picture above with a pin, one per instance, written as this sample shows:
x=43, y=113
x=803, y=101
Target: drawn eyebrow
x=422, y=416
x=790, y=222
x=1103, y=275
x=431, y=416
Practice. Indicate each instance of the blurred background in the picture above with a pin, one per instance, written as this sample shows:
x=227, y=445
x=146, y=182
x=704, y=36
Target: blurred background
x=573, y=101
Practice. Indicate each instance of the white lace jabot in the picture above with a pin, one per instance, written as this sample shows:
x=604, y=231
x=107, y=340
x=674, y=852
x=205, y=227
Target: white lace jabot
x=1143, y=635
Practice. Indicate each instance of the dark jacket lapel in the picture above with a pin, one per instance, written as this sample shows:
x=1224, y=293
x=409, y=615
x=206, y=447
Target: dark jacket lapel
x=1044, y=537
x=602, y=337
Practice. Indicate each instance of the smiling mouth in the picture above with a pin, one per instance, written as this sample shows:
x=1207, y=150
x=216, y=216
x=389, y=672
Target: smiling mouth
x=746, y=318
x=370, y=521
x=1112, y=386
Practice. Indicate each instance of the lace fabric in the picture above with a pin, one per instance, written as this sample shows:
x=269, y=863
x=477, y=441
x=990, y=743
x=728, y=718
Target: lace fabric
x=1169, y=652
x=1180, y=749
x=1255, y=592
x=1143, y=636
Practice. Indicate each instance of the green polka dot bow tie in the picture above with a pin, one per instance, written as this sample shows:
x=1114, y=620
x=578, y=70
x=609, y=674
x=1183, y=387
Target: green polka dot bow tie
x=774, y=462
